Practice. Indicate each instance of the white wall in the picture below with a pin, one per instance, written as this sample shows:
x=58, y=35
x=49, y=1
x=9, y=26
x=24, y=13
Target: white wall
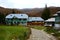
x=57, y=26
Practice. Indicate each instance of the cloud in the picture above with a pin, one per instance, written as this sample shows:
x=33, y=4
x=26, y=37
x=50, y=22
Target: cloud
x=6, y=3
x=28, y=3
x=53, y=2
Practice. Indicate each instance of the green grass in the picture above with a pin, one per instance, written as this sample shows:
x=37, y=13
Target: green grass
x=39, y=27
x=13, y=32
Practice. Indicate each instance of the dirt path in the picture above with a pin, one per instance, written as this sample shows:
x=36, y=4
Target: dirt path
x=40, y=35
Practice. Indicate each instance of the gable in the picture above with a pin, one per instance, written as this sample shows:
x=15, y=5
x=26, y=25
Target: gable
x=17, y=15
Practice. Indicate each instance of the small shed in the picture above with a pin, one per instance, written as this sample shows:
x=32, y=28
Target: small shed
x=50, y=22
x=35, y=21
x=17, y=19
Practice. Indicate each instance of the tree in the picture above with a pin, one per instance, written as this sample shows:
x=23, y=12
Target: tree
x=2, y=18
x=13, y=11
x=46, y=13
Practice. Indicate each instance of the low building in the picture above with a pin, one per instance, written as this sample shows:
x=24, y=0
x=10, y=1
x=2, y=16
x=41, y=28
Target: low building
x=16, y=19
x=35, y=21
x=57, y=20
x=50, y=22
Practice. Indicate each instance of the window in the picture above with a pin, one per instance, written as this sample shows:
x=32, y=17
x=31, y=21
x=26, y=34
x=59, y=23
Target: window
x=8, y=19
x=10, y=15
x=20, y=19
x=33, y=21
x=21, y=15
x=58, y=14
x=23, y=22
x=24, y=19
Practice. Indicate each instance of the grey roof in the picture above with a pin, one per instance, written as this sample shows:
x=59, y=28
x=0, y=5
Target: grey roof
x=58, y=12
x=55, y=14
x=17, y=15
x=50, y=20
x=35, y=19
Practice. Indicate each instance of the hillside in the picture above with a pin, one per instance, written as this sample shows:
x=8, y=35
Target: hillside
x=30, y=12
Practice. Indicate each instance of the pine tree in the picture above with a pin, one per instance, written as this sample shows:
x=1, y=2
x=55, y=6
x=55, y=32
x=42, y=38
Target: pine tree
x=46, y=13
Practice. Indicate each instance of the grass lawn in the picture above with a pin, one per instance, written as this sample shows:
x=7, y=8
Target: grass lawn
x=49, y=30
x=39, y=27
x=13, y=32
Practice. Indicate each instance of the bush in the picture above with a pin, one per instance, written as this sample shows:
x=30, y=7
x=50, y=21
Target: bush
x=50, y=30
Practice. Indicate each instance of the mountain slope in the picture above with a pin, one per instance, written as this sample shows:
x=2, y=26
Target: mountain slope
x=30, y=12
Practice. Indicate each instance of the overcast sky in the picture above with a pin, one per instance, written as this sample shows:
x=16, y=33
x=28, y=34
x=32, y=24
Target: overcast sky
x=28, y=3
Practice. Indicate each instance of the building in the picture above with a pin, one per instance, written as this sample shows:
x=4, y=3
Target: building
x=50, y=22
x=35, y=21
x=16, y=19
x=57, y=20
